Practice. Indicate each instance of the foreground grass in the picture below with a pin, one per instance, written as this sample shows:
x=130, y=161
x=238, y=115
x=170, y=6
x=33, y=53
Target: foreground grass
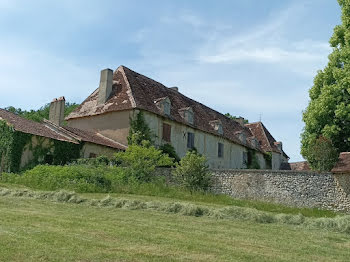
x=38, y=230
x=162, y=192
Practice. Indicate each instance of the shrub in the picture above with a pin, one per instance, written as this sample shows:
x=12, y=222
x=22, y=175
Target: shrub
x=77, y=178
x=170, y=151
x=98, y=161
x=192, y=172
x=322, y=155
x=141, y=161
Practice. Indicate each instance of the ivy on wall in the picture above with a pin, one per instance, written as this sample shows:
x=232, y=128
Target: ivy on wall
x=13, y=144
x=253, y=162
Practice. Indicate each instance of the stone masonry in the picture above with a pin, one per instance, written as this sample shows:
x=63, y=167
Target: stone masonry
x=292, y=188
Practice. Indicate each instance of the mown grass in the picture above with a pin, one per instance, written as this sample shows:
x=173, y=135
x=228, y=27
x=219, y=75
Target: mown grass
x=41, y=230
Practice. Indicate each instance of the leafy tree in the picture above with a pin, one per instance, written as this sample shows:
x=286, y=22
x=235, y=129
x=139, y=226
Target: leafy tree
x=193, y=172
x=322, y=155
x=328, y=113
x=141, y=160
x=170, y=151
x=42, y=113
x=235, y=118
x=139, y=130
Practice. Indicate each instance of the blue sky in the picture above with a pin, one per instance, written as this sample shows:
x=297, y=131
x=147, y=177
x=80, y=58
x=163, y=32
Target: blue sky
x=253, y=58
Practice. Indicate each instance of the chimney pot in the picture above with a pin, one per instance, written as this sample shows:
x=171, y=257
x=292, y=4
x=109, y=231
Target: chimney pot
x=105, y=88
x=240, y=120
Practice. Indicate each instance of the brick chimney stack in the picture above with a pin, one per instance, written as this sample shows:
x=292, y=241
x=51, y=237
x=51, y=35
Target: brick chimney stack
x=57, y=106
x=105, y=88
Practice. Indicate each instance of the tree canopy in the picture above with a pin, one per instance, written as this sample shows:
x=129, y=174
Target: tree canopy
x=42, y=112
x=328, y=112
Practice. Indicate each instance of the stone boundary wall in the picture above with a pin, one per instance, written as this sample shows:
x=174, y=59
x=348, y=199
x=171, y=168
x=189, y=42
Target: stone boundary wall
x=292, y=188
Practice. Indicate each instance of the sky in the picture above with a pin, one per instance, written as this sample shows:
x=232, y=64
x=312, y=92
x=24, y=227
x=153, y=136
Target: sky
x=251, y=58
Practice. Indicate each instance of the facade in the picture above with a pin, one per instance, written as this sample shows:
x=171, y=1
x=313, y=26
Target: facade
x=174, y=119
x=42, y=139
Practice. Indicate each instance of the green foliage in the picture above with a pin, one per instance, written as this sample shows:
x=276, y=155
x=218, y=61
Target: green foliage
x=78, y=178
x=170, y=151
x=141, y=161
x=98, y=161
x=65, y=152
x=235, y=118
x=268, y=160
x=12, y=144
x=328, y=113
x=192, y=172
x=253, y=162
x=42, y=112
x=322, y=155
x=139, y=130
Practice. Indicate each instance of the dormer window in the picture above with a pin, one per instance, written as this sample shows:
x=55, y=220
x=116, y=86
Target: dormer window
x=164, y=105
x=254, y=142
x=241, y=136
x=187, y=114
x=217, y=125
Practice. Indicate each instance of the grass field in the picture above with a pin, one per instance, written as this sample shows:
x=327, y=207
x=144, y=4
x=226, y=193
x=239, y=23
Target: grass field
x=42, y=230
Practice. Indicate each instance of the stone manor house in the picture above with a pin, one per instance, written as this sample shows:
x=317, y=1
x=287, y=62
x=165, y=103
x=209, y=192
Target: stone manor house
x=102, y=122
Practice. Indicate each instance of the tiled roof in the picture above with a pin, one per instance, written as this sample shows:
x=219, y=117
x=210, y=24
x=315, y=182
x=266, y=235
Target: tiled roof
x=343, y=164
x=300, y=166
x=95, y=138
x=265, y=138
x=30, y=127
x=133, y=90
x=50, y=130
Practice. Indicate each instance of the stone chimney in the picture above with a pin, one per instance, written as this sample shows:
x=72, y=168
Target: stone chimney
x=105, y=88
x=240, y=120
x=175, y=88
x=56, y=115
x=278, y=145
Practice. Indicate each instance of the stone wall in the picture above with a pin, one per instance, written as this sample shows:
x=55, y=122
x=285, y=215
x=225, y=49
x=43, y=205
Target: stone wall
x=301, y=189
x=292, y=188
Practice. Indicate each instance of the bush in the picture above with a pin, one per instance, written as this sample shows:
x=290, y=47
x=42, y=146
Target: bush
x=170, y=151
x=78, y=178
x=98, y=161
x=141, y=161
x=322, y=155
x=192, y=172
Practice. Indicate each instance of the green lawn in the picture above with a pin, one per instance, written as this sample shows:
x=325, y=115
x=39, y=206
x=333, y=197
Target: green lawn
x=42, y=230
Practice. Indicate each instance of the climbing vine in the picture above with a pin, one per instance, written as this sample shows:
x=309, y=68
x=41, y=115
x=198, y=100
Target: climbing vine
x=12, y=144
x=253, y=162
x=268, y=160
x=65, y=152
x=44, y=151
x=139, y=130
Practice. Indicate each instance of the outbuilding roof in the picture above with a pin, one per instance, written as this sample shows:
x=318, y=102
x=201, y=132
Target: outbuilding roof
x=50, y=130
x=343, y=164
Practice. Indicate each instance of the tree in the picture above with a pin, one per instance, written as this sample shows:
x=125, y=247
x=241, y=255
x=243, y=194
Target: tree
x=322, y=155
x=141, y=160
x=41, y=113
x=139, y=130
x=328, y=112
x=192, y=172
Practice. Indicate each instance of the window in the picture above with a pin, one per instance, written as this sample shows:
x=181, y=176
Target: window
x=189, y=116
x=92, y=155
x=166, y=107
x=245, y=158
x=190, y=140
x=166, y=132
x=220, y=150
